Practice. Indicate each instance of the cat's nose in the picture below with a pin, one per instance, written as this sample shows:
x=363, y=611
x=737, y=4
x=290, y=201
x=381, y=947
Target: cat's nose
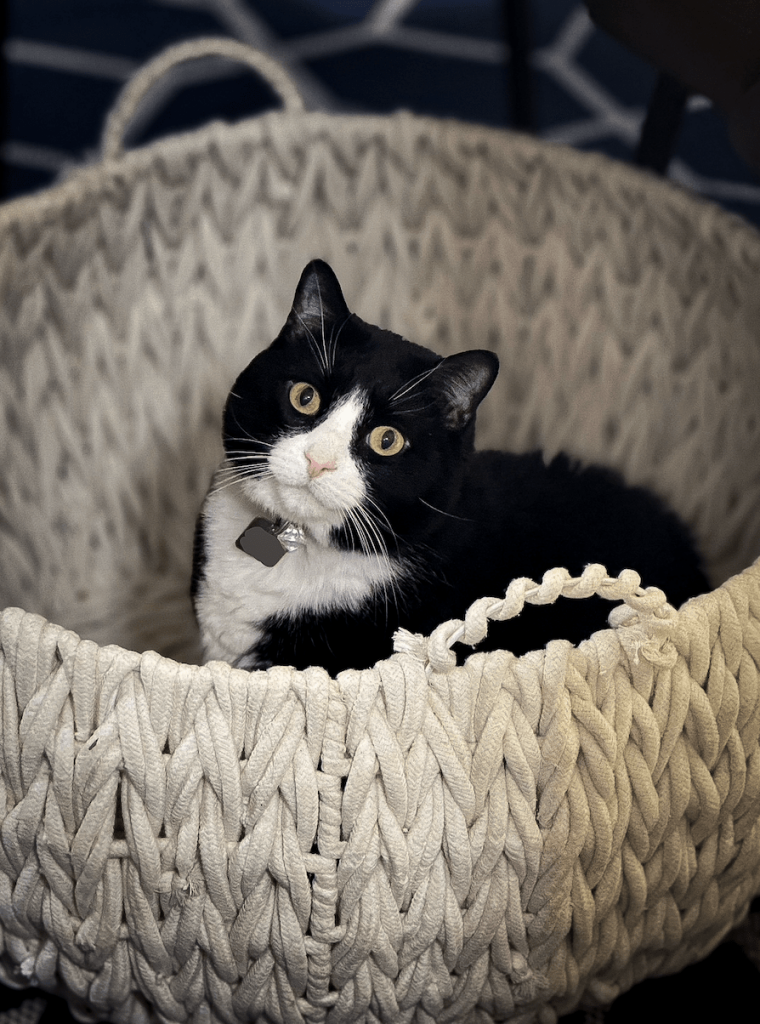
x=317, y=468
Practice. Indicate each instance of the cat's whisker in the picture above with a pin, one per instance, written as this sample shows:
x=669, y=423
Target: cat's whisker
x=378, y=544
x=231, y=470
x=372, y=520
x=312, y=341
x=322, y=319
x=237, y=464
x=248, y=437
x=242, y=468
x=369, y=546
x=247, y=451
x=238, y=455
x=331, y=348
x=462, y=519
x=387, y=522
x=412, y=383
x=238, y=467
x=334, y=338
x=232, y=466
x=380, y=549
x=349, y=516
x=366, y=543
x=361, y=538
x=239, y=477
x=417, y=409
x=245, y=440
x=241, y=465
x=237, y=472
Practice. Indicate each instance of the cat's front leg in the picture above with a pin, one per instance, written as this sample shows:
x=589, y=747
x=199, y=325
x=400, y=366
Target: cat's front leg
x=335, y=640
x=226, y=634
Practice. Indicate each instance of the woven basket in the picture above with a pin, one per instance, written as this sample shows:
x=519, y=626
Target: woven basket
x=503, y=840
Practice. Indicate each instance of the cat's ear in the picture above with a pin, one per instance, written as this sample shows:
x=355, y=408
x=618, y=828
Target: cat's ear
x=318, y=296
x=463, y=381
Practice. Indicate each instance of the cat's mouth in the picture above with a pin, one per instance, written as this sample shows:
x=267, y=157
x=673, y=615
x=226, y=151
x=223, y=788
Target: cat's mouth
x=297, y=504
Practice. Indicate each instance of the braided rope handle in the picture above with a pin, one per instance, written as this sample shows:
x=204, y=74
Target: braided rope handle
x=639, y=602
x=129, y=99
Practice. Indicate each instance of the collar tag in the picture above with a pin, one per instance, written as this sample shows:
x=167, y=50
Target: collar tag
x=267, y=541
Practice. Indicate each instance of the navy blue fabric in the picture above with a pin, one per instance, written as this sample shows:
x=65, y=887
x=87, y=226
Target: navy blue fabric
x=54, y=114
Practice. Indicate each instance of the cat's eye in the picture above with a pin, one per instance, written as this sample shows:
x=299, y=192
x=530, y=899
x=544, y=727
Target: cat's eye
x=386, y=441
x=305, y=398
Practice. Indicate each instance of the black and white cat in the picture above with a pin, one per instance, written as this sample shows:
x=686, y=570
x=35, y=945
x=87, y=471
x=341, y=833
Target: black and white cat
x=351, y=502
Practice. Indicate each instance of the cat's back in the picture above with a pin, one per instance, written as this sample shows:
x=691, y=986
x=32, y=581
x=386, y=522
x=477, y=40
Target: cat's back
x=527, y=515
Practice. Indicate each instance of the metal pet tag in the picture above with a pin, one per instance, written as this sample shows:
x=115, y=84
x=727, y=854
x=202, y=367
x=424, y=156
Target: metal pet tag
x=260, y=540
x=267, y=542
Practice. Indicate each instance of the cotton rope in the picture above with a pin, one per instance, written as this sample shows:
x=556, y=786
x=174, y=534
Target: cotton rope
x=492, y=835
x=136, y=89
x=503, y=839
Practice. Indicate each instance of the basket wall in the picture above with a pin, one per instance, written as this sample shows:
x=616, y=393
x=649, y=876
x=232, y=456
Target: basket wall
x=419, y=841
x=624, y=314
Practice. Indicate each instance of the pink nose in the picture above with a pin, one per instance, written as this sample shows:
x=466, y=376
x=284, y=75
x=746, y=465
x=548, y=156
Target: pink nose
x=317, y=468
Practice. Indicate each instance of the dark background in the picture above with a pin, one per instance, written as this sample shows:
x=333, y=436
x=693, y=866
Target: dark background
x=67, y=59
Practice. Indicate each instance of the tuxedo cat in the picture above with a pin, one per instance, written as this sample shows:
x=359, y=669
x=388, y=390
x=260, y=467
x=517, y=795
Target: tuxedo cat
x=351, y=502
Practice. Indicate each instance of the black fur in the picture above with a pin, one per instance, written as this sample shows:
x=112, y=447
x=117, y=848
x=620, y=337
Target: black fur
x=466, y=523
x=199, y=557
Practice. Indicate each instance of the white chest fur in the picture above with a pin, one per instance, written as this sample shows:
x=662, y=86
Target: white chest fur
x=238, y=593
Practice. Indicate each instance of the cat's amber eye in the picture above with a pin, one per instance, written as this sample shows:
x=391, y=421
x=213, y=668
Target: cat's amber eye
x=386, y=441
x=305, y=398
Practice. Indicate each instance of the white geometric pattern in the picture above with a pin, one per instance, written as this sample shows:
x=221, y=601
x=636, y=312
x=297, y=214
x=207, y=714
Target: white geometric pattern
x=608, y=117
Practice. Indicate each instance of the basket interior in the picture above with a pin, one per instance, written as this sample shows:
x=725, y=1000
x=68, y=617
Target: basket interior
x=626, y=316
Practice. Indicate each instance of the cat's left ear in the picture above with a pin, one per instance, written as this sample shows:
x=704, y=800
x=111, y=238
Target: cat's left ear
x=318, y=296
x=463, y=381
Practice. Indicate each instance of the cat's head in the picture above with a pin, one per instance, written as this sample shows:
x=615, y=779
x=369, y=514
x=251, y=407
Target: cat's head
x=350, y=430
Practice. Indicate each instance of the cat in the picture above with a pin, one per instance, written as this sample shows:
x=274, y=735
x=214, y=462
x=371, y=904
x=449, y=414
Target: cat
x=351, y=501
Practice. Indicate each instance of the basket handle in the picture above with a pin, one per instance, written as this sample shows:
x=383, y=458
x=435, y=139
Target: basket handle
x=640, y=605
x=129, y=99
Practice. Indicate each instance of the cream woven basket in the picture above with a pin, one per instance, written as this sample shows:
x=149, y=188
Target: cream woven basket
x=504, y=840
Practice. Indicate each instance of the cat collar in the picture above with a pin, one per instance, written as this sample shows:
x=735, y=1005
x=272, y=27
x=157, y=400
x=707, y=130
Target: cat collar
x=268, y=541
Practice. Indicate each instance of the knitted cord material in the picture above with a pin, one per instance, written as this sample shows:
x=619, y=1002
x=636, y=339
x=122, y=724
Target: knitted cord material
x=417, y=841
x=421, y=841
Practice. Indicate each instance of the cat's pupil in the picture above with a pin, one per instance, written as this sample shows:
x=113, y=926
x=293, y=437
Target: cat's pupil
x=306, y=396
x=387, y=439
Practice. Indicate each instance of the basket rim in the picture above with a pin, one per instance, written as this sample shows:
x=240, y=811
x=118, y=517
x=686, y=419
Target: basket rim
x=86, y=182
x=638, y=632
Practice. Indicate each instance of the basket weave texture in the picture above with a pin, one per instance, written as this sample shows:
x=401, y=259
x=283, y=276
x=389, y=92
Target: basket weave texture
x=419, y=841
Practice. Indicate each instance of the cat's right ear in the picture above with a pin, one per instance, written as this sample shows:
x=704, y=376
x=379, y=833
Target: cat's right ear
x=463, y=381
x=318, y=299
